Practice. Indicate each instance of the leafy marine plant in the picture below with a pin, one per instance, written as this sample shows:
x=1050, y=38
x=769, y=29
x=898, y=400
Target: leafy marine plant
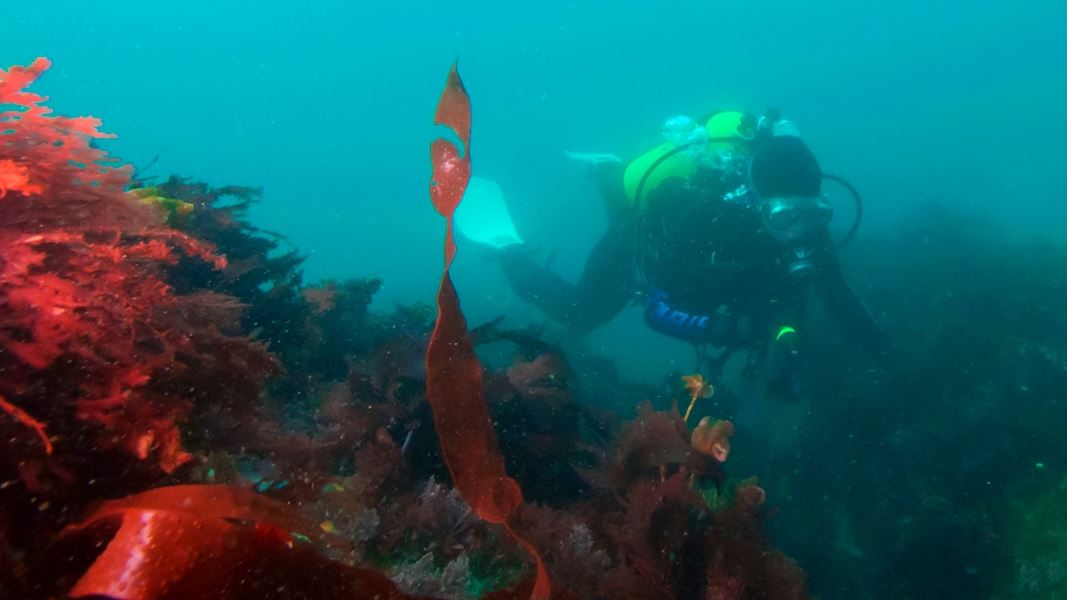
x=453, y=373
x=90, y=330
x=101, y=359
x=209, y=541
x=320, y=332
x=46, y=155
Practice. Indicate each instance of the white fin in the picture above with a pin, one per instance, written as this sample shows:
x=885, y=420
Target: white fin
x=483, y=216
x=594, y=158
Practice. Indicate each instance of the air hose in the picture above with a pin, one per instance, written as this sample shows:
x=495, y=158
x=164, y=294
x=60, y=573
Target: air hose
x=858, y=200
x=664, y=158
x=851, y=233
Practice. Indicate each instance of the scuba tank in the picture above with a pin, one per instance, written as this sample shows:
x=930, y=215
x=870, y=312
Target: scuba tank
x=689, y=147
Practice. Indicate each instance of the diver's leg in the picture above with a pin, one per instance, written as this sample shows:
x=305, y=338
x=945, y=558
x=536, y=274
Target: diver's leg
x=605, y=286
x=610, y=183
x=783, y=361
x=845, y=306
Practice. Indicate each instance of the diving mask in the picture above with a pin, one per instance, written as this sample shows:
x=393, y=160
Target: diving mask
x=794, y=221
x=791, y=219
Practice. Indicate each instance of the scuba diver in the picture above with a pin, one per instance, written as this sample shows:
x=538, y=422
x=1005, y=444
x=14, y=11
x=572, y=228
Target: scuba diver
x=719, y=233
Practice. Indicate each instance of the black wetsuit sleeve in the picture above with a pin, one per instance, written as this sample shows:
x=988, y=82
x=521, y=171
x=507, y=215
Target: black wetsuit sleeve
x=602, y=291
x=843, y=304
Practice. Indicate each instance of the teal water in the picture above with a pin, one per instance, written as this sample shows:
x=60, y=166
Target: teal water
x=326, y=105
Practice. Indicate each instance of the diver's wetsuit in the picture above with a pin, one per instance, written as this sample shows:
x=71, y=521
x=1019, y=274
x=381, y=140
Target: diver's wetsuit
x=708, y=262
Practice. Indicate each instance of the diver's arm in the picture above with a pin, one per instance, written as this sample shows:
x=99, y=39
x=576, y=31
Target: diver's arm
x=602, y=291
x=842, y=302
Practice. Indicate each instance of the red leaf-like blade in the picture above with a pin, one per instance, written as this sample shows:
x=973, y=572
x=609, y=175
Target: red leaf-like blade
x=201, y=541
x=153, y=551
x=207, y=502
x=464, y=427
x=451, y=165
x=454, y=108
x=453, y=373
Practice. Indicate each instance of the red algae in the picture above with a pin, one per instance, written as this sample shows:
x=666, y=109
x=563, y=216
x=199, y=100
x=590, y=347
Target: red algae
x=454, y=380
x=89, y=321
x=23, y=417
x=213, y=541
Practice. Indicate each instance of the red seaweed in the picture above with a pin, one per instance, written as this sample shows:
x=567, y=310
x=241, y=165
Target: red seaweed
x=44, y=154
x=23, y=417
x=93, y=338
x=454, y=378
x=451, y=169
x=213, y=541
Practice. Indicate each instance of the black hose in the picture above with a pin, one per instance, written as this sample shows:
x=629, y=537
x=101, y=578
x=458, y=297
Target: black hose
x=666, y=155
x=851, y=233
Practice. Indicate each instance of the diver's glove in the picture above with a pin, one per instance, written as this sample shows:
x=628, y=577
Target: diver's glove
x=782, y=366
x=731, y=329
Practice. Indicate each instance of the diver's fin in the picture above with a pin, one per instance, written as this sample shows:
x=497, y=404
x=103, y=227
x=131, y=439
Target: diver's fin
x=483, y=216
x=593, y=158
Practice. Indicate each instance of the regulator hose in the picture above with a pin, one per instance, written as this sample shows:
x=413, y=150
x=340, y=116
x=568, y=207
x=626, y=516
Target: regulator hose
x=666, y=156
x=851, y=233
x=857, y=199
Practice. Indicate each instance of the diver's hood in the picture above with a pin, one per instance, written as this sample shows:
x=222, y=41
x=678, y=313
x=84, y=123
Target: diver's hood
x=784, y=166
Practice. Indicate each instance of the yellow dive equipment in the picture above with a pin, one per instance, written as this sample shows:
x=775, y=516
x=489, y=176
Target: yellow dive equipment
x=724, y=130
